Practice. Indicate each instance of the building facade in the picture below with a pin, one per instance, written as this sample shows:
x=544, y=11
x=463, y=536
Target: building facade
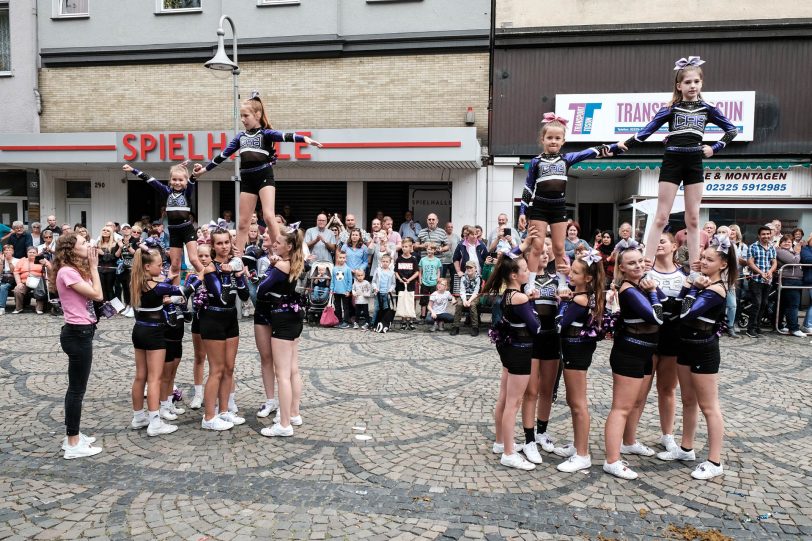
x=348, y=72
x=607, y=67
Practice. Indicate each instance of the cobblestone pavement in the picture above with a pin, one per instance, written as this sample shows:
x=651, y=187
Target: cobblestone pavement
x=426, y=400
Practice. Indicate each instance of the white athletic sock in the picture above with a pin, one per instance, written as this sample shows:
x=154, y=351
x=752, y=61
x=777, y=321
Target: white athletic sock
x=165, y=404
x=562, y=280
x=138, y=414
x=198, y=390
x=154, y=416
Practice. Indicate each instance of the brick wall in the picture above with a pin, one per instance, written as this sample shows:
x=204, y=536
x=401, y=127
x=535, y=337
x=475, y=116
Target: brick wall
x=364, y=92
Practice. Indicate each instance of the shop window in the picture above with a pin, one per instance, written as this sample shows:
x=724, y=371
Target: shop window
x=78, y=189
x=66, y=9
x=5, y=40
x=749, y=218
x=179, y=6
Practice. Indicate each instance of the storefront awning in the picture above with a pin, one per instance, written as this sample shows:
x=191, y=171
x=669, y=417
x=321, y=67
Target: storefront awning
x=625, y=165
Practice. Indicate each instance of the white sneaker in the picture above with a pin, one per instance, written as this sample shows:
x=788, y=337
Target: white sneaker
x=516, y=461
x=82, y=438
x=176, y=410
x=784, y=330
x=295, y=420
x=706, y=470
x=619, y=469
x=566, y=451
x=547, y=443
x=667, y=441
x=799, y=333
x=499, y=448
x=129, y=312
x=216, y=423
x=81, y=450
x=636, y=448
x=159, y=428
x=677, y=454
x=139, y=422
x=197, y=402
x=277, y=430
x=232, y=418
x=531, y=453
x=268, y=407
x=575, y=463
x=166, y=413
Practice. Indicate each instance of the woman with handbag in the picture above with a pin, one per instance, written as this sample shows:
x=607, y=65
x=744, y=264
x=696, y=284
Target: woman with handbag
x=28, y=277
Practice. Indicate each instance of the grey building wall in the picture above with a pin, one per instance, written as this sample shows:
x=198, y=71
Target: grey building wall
x=134, y=23
x=18, y=112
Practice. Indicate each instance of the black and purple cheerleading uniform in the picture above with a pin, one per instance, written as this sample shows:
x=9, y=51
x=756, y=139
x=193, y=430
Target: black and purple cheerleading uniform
x=278, y=306
x=544, y=196
x=546, y=345
x=178, y=209
x=670, y=283
x=519, y=325
x=151, y=322
x=218, y=318
x=257, y=156
x=703, y=312
x=637, y=332
x=682, y=161
x=579, y=338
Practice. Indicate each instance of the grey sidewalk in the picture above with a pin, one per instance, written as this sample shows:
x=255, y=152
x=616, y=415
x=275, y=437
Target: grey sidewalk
x=426, y=400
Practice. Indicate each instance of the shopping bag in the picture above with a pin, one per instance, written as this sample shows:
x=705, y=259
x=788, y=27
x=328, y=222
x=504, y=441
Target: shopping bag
x=328, y=317
x=405, y=304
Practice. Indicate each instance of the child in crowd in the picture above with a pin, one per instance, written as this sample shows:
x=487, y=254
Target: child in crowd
x=321, y=284
x=470, y=285
x=438, y=306
x=341, y=287
x=430, y=266
x=361, y=292
x=383, y=285
x=406, y=275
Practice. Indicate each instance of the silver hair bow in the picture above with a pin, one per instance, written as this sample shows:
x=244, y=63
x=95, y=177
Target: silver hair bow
x=683, y=63
x=219, y=224
x=626, y=244
x=294, y=226
x=721, y=242
x=255, y=93
x=593, y=256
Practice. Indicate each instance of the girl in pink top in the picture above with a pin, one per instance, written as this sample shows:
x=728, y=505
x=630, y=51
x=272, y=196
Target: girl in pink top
x=75, y=277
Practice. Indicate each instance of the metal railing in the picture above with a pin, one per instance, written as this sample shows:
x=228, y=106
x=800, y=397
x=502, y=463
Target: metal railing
x=782, y=287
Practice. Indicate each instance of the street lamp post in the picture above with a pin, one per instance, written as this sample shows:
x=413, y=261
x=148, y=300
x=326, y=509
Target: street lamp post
x=222, y=62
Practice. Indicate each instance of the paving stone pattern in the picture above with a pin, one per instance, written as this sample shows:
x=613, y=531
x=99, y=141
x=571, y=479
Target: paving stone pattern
x=426, y=400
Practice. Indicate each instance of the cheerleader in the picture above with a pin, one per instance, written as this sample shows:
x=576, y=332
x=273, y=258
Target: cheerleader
x=546, y=355
x=687, y=116
x=544, y=198
x=513, y=336
x=220, y=330
x=669, y=278
x=257, y=152
x=280, y=304
x=635, y=342
x=149, y=337
x=198, y=303
x=174, y=352
x=178, y=212
x=703, y=311
x=262, y=335
x=580, y=320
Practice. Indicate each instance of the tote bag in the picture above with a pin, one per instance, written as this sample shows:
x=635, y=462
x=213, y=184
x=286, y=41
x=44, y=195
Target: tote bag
x=405, y=304
x=328, y=316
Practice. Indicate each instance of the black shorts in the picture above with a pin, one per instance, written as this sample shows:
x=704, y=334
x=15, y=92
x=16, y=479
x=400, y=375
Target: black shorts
x=253, y=181
x=286, y=325
x=425, y=293
x=216, y=325
x=179, y=236
x=550, y=208
x=631, y=355
x=547, y=346
x=684, y=167
x=516, y=359
x=174, y=342
x=149, y=337
x=195, y=323
x=702, y=356
x=669, y=343
x=577, y=353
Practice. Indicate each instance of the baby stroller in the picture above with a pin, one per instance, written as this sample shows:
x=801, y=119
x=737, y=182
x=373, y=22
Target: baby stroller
x=51, y=296
x=318, y=290
x=767, y=318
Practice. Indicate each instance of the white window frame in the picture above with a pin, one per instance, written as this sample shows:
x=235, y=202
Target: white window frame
x=266, y=3
x=57, y=12
x=5, y=6
x=161, y=10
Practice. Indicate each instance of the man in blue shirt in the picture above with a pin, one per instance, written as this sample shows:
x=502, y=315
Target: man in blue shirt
x=19, y=239
x=762, y=262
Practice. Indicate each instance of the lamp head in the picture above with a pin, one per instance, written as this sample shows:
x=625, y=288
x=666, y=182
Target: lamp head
x=221, y=61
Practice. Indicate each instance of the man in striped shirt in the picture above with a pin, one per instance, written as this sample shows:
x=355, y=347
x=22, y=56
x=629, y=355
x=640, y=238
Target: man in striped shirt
x=762, y=262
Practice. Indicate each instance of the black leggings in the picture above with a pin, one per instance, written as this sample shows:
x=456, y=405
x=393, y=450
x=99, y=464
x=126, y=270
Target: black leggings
x=123, y=280
x=77, y=343
x=108, y=283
